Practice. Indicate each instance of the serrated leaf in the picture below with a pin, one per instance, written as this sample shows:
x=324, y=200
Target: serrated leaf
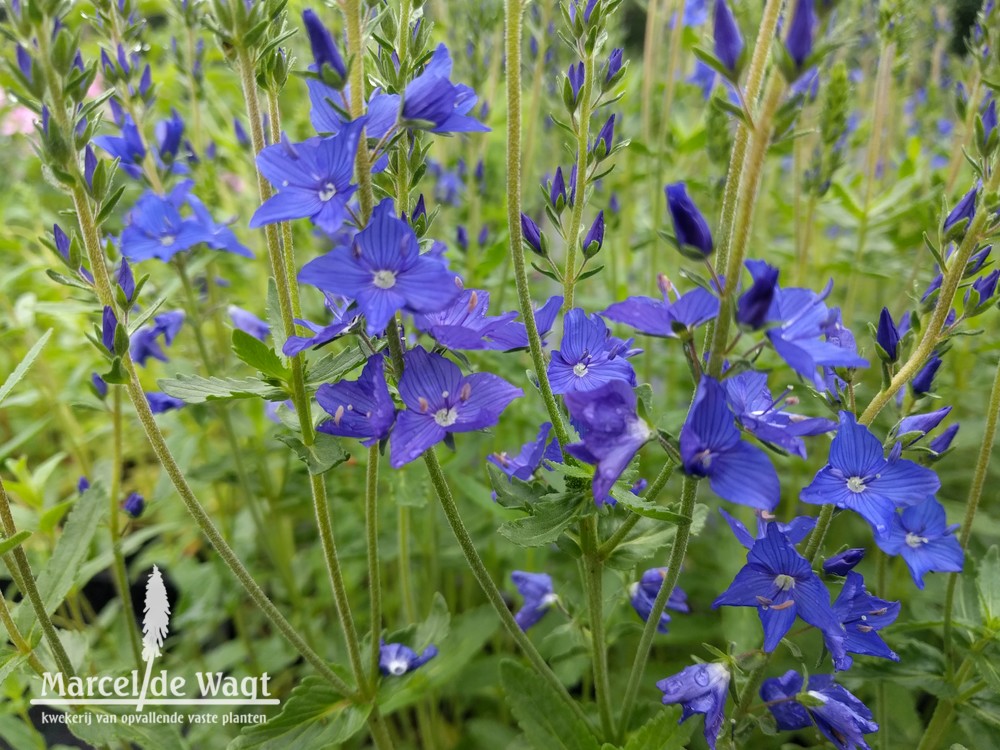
x=319, y=457
x=513, y=492
x=22, y=367
x=662, y=732
x=547, y=522
x=648, y=508
x=195, y=389
x=58, y=576
x=334, y=367
x=542, y=715
x=314, y=715
x=258, y=355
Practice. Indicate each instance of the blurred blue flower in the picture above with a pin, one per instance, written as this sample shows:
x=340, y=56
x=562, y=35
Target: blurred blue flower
x=134, y=504
x=249, y=323
x=754, y=304
x=664, y=318
x=801, y=32
x=690, y=227
x=526, y=462
x=343, y=314
x=161, y=402
x=395, y=659
x=539, y=597
x=643, y=594
x=727, y=37
x=437, y=104
x=923, y=381
x=887, y=335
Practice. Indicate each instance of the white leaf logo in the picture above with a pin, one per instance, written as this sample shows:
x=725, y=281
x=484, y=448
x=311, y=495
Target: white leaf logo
x=156, y=616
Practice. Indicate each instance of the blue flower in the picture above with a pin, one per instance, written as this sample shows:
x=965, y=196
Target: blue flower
x=923, y=381
x=843, y=562
x=862, y=616
x=440, y=400
x=943, y=441
x=145, y=342
x=328, y=109
x=539, y=597
x=887, y=335
x=665, y=318
x=801, y=32
x=921, y=535
x=343, y=317
x=532, y=235
x=711, y=447
x=437, y=104
x=161, y=402
x=324, y=49
x=964, y=210
x=690, y=227
x=781, y=584
x=728, y=40
x=126, y=281
x=83, y=485
x=841, y=717
x=361, y=408
x=594, y=240
x=249, y=323
x=313, y=179
x=128, y=147
x=384, y=272
x=395, y=659
x=611, y=431
x=465, y=325
x=643, y=594
x=605, y=140
x=134, y=504
x=759, y=413
x=795, y=530
x=754, y=304
x=613, y=66
x=156, y=229
x=589, y=356
x=700, y=689
x=920, y=424
x=97, y=383
x=526, y=463
x=858, y=477
x=109, y=324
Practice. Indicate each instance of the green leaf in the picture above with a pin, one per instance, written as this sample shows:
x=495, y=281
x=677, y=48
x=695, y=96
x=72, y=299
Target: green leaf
x=14, y=541
x=334, y=367
x=513, y=492
x=988, y=583
x=259, y=355
x=319, y=457
x=548, y=521
x=435, y=628
x=662, y=732
x=51, y=517
x=542, y=715
x=119, y=733
x=194, y=389
x=313, y=716
x=58, y=576
x=648, y=508
x=22, y=368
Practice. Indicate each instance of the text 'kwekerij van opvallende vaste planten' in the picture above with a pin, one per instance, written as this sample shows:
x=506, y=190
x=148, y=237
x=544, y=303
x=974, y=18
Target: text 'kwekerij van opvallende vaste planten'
x=585, y=374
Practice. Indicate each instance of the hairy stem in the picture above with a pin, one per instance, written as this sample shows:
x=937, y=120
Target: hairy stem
x=582, y=151
x=592, y=579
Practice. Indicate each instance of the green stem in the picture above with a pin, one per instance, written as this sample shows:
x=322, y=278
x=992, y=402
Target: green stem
x=374, y=579
x=355, y=49
x=582, y=152
x=20, y=561
x=22, y=646
x=512, y=12
x=482, y=575
x=689, y=492
x=118, y=565
x=616, y=538
x=592, y=580
x=285, y=227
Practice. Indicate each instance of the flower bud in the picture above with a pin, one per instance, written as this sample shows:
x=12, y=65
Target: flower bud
x=690, y=227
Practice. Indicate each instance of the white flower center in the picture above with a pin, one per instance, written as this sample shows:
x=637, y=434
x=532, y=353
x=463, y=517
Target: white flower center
x=446, y=417
x=397, y=667
x=784, y=582
x=167, y=240
x=914, y=541
x=384, y=279
x=579, y=369
x=328, y=191
x=856, y=484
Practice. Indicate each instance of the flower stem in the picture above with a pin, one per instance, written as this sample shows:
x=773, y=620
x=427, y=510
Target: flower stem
x=443, y=492
x=29, y=589
x=512, y=11
x=374, y=579
x=689, y=492
x=592, y=579
x=355, y=50
x=22, y=646
x=616, y=538
x=582, y=151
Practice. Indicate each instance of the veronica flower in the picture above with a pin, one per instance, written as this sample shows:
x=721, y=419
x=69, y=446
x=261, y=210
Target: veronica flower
x=711, y=447
x=843, y=562
x=465, y=325
x=144, y=344
x=760, y=414
x=156, y=229
x=801, y=32
x=134, y=504
x=840, y=716
x=539, y=598
x=328, y=112
x=589, y=356
x=700, y=689
x=753, y=306
x=361, y=408
x=964, y=210
x=126, y=281
x=643, y=595
x=781, y=584
x=923, y=381
x=526, y=462
x=611, y=431
x=161, y=402
x=795, y=530
x=921, y=424
x=920, y=534
x=109, y=325
x=728, y=40
x=343, y=317
x=98, y=384
x=887, y=335
x=594, y=239
x=532, y=235
x=862, y=616
x=324, y=49
x=249, y=323
x=431, y=101
x=82, y=485
x=395, y=659
x=440, y=400
x=384, y=272
x=860, y=478
x=313, y=179
x=690, y=227
x=127, y=147
x=665, y=317
x=943, y=441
